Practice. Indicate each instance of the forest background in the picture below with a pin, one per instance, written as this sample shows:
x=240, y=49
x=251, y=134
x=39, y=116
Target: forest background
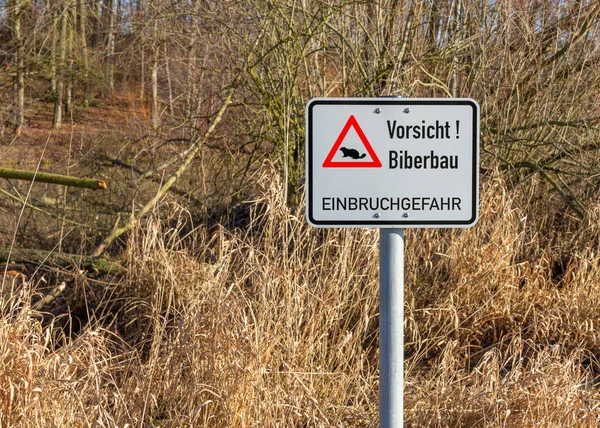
x=188, y=290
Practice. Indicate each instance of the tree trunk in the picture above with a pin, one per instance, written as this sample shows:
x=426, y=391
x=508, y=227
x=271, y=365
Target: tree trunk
x=118, y=14
x=454, y=40
x=97, y=22
x=60, y=78
x=191, y=102
x=71, y=13
x=139, y=13
x=155, y=56
x=110, y=45
x=81, y=12
x=169, y=83
x=53, y=46
x=142, y=74
x=17, y=11
x=155, y=104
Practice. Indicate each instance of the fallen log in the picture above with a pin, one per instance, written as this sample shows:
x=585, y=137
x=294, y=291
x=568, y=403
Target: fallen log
x=97, y=265
x=46, y=177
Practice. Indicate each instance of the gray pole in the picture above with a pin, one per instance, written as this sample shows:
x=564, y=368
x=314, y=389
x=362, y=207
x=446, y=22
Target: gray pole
x=391, y=328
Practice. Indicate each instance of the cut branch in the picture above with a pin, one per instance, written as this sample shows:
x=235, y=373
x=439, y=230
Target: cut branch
x=46, y=177
x=63, y=260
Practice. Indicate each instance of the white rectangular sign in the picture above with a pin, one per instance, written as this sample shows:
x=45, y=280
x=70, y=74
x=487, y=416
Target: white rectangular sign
x=392, y=162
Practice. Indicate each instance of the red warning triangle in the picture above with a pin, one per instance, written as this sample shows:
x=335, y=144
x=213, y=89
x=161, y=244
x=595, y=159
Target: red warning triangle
x=352, y=153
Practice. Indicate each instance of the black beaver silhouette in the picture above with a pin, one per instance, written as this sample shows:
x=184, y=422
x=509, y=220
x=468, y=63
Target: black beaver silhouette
x=352, y=153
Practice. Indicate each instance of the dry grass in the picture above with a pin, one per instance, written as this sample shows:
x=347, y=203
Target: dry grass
x=275, y=324
x=501, y=330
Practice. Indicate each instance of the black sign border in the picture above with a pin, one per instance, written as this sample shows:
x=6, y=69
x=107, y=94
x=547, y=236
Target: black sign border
x=407, y=102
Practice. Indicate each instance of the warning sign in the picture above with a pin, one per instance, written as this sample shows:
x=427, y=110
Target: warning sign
x=349, y=152
x=382, y=162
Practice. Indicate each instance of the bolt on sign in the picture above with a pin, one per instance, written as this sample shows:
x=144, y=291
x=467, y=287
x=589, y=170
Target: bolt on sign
x=384, y=163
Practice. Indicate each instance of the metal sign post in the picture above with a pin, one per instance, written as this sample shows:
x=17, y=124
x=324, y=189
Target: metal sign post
x=391, y=328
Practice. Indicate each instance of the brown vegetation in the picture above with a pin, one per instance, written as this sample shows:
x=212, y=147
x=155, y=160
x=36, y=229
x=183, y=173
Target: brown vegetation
x=219, y=306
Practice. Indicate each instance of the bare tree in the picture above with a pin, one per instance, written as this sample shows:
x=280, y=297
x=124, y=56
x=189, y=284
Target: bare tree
x=109, y=10
x=83, y=48
x=71, y=13
x=63, y=7
x=154, y=74
x=16, y=10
